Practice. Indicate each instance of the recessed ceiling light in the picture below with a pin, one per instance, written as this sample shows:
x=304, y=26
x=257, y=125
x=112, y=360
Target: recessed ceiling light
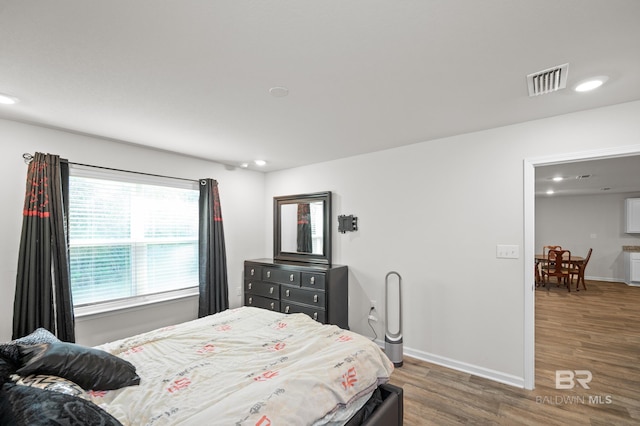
x=260, y=162
x=558, y=178
x=244, y=165
x=591, y=84
x=549, y=192
x=279, y=91
x=7, y=100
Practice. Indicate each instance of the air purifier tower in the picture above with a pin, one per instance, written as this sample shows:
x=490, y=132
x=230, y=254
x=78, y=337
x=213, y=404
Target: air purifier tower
x=393, y=319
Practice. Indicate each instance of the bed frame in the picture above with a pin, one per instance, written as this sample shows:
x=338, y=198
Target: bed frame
x=388, y=412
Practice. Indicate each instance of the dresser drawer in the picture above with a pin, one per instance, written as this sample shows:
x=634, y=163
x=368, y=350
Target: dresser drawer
x=319, y=291
x=260, y=288
x=277, y=275
x=252, y=272
x=302, y=295
x=313, y=280
x=261, y=302
x=292, y=308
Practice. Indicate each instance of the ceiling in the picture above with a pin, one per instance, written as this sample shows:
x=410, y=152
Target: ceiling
x=193, y=77
x=589, y=177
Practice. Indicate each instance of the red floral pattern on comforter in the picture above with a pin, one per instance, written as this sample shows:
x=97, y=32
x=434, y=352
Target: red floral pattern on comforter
x=246, y=366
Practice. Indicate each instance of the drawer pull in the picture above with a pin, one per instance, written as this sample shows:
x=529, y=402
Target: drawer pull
x=312, y=280
x=253, y=272
x=249, y=286
x=286, y=309
x=315, y=298
x=270, y=290
x=287, y=293
x=291, y=277
x=251, y=300
x=268, y=274
x=315, y=316
x=273, y=305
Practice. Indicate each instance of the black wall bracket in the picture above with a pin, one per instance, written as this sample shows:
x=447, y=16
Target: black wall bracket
x=347, y=223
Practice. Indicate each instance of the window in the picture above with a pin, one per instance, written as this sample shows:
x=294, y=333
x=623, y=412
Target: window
x=316, y=211
x=133, y=238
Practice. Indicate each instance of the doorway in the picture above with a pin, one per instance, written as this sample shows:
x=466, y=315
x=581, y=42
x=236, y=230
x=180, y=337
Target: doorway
x=529, y=166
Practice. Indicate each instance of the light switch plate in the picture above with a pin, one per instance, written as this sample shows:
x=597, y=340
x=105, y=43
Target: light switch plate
x=507, y=251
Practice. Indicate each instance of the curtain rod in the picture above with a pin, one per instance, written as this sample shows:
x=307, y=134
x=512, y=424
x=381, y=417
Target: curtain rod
x=28, y=157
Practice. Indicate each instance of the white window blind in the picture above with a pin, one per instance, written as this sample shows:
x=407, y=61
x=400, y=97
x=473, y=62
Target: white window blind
x=130, y=235
x=316, y=211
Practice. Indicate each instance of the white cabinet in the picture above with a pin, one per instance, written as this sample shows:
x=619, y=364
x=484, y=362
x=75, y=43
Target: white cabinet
x=635, y=267
x=632, y=213
x=632, y=267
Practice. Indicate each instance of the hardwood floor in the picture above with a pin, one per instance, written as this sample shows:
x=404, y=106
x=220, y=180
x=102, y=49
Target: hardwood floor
x=596, y=330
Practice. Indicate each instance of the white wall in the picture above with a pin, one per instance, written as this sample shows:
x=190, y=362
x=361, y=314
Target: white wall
x=434, y=212
x=587, y=221
x=241, y=197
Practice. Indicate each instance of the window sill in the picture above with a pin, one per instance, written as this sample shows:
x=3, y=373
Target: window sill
x=132, y=304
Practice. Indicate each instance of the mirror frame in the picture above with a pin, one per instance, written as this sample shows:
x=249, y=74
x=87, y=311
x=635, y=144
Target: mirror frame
x=279, y=255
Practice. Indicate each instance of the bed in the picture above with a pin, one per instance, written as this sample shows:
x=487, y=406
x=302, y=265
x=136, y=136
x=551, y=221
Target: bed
x=244, y=366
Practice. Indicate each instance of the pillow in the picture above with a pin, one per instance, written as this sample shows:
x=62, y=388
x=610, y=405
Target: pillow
x=7, y=368
x=51, y=383
x=92, y=369
x=26, y=406
x=11, y=350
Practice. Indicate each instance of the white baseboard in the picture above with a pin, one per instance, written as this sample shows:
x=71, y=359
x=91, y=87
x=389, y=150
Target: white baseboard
x=607, y=279
x=486, y=373
x=612, y=280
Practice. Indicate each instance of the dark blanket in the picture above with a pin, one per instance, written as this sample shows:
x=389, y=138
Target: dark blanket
x=27, y=406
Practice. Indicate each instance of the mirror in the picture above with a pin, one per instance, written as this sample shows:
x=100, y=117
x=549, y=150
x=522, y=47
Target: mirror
x=302, y=228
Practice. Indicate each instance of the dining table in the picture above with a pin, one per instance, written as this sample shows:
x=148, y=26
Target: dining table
x=575, y=261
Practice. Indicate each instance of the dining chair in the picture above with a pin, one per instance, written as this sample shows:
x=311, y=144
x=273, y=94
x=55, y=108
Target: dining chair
x=547, y=249
x=557, y=264
x=541, y=264
x=579, y=271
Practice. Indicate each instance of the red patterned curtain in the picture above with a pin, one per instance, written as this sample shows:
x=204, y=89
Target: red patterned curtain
x=305, y=244
x=43, y=290
x=214, y=289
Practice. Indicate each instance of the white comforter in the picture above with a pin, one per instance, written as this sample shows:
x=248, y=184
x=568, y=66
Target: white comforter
x=246, y=366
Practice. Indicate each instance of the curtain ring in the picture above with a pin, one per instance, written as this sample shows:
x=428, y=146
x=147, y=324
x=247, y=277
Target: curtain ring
x=27, y=158
x=203, y=182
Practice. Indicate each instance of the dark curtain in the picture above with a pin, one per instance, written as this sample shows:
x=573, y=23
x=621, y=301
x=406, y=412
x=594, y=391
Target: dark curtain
x=43, y=288
x=214, y=290
x=305, y=244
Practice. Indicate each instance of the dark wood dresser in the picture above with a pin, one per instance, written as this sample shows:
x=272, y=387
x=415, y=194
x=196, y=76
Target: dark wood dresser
x=320, y=291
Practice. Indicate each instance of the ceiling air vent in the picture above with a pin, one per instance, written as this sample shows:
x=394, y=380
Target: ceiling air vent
x=548, y=81
x=583, y=177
